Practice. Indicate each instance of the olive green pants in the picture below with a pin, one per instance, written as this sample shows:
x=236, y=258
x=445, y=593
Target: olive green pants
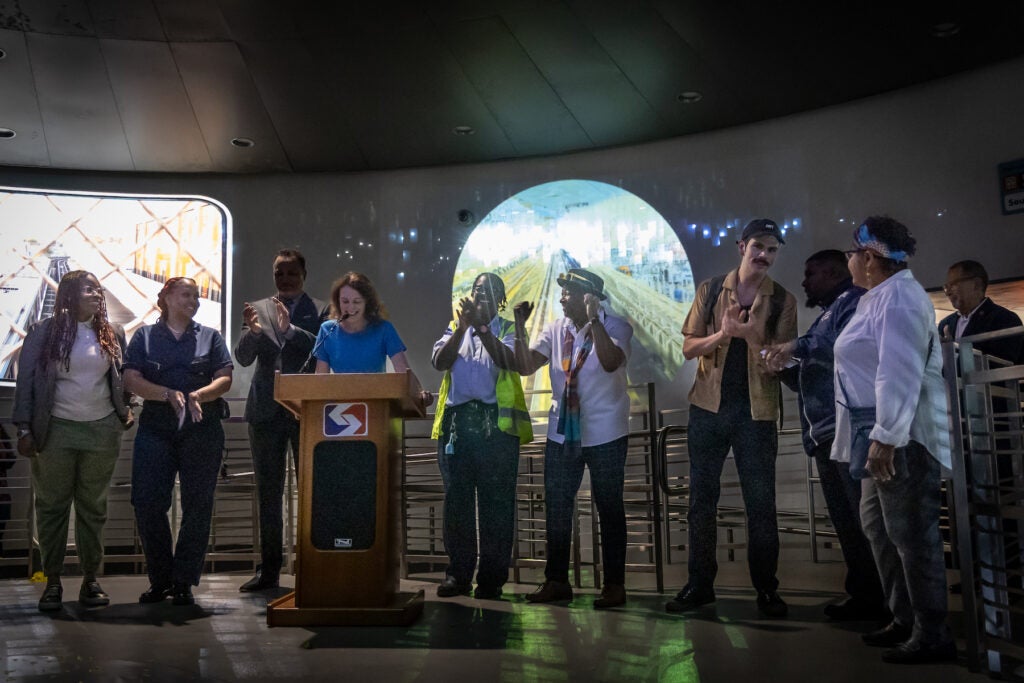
x=75, y=466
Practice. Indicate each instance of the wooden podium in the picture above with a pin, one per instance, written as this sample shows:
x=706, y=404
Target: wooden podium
x=349, y=480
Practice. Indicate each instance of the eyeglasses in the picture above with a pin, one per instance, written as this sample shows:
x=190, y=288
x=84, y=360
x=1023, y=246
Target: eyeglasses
x=956, y=281
x=89, y=289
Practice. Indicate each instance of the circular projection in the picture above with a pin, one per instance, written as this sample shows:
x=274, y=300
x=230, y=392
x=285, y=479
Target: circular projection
x=531, y=238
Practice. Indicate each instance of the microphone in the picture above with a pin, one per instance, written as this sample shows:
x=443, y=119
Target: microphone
x=344, y=317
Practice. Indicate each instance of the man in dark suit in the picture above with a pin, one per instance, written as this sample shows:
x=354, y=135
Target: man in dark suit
x=278, y=333
x=965, y=287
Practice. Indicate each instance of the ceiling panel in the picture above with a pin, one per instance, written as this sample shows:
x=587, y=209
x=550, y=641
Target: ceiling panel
x=80, y=117
x=63, y=17
x=19, y=108
x=129, y=19
x=186, y=20
x=316, y=136
x=525, y=105
x=227, y=105
x=605, y=103
x=154, y=106
x=252, y=21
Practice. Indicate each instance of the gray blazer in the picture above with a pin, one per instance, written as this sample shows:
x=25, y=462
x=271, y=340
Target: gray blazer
x=273, y=352
x=34, y=391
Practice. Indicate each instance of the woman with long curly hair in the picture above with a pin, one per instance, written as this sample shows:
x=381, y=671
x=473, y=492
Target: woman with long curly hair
x=181, y=369
x=71, y=410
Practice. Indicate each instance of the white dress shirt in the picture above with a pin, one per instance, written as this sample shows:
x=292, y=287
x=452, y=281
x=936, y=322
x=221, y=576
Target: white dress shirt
x=880, y=357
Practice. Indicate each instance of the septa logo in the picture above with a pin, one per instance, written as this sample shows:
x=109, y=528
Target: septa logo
x=345, y=419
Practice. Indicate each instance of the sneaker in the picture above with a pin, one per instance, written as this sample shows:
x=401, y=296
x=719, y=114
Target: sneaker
x=690, y=598
x=52, y=598
x=919, y=653
x=91, y=595
x=612, y=595
x=182, y=595
x=893, y=635
x=449, y=588
x=770, y=605
x=551, y=591
x=487, y=592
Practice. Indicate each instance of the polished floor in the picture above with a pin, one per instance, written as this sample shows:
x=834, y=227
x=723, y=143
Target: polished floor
x=224, y=637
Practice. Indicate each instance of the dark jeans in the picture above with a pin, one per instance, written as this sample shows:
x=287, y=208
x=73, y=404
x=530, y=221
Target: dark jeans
x=562, y=477
x=901, y=520
x=754, y=444
x=269, y=443
x=479, y=479
x=194, y=454
x=842, y=497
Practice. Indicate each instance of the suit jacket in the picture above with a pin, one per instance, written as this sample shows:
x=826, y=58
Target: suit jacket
x=273, y=352
x=35, y=388
x=989, y=317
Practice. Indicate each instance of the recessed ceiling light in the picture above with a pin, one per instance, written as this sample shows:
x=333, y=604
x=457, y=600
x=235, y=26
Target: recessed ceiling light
x=242, y=142
x=689, y=97
x=463, y=130
x=6, y=133
x=945, y=29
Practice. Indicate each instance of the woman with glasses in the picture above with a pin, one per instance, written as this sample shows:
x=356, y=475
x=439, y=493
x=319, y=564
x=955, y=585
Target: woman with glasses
x=888, y=358
x=181, y=369
x=71, y=410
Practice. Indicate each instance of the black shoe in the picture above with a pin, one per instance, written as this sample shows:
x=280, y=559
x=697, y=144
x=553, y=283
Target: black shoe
x=260, y=582
x=856, y=610
x=182, y=593
x=551, y=591
x=154, y=594
x=891, y=636
x=91, y=595
x=52, y=598
x=612, y=595
x=449, y=588
x=487, y=592
x=770, y=605
x=690, y=598
x=919, y=653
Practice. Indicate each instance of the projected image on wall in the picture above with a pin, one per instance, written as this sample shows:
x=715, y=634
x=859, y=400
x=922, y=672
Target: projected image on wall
x=534, y=236
x=132, y=245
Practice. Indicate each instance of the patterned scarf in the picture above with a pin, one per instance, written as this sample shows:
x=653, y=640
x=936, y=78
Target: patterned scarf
x=569, y=411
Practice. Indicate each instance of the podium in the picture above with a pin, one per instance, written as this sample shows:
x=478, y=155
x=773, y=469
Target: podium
x=349, y=478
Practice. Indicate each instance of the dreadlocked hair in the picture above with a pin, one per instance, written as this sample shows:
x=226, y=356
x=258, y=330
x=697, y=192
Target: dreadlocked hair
x=64, y=327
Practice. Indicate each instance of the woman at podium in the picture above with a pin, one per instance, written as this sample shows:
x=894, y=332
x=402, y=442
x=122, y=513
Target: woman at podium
x=181, y=369
x=358, y=337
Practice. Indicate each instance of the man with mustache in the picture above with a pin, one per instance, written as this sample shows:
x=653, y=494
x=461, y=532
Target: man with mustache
x=278, y=333
x=480, y=421
x=588, y=426
x=734, y=404
x=807, y=366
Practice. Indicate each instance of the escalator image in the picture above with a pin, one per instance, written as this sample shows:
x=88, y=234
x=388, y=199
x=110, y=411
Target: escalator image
x=533, y=237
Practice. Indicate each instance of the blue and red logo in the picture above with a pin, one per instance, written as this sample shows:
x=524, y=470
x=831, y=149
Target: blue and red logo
x=345, y=419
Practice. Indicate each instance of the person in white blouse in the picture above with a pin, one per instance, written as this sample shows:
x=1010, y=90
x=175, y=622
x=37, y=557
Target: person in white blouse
x=888, y=357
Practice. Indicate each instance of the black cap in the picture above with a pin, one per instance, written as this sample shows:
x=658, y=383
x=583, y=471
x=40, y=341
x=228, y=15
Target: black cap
x=583, y=280
x=762, y=226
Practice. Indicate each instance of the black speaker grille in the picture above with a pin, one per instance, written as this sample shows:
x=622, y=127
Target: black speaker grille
x=344, y=495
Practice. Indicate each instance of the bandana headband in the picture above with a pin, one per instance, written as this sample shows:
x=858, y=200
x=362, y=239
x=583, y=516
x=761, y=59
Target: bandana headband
x=865, y=240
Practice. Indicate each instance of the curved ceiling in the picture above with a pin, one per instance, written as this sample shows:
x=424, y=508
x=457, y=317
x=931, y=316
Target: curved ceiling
x=350, y=85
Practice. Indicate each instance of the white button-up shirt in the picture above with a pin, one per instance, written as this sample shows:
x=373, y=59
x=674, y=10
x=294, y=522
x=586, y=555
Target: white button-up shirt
x=604, y=403
x=881, y=358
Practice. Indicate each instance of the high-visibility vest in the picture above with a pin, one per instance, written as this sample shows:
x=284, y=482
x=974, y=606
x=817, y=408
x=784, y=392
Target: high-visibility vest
x=513, y=415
